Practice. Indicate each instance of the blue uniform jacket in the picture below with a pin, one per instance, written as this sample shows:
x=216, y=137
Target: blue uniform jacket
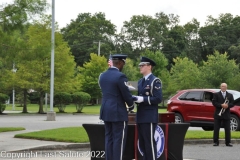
x=147, y=111
x=115, y=96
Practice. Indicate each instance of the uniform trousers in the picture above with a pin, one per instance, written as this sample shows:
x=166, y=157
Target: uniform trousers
x=147, y=143
x=115, y=139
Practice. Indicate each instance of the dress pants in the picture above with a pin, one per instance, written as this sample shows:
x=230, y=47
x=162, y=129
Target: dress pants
x=115, y=139
x=217, y=125
x=147, y=142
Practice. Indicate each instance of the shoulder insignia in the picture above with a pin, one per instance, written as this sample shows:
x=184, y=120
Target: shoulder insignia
x=157, y=87
x=157, y=81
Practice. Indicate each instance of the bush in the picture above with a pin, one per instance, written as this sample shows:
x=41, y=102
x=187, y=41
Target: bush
x=80, y=99
x=61, y=100
x=3, y=99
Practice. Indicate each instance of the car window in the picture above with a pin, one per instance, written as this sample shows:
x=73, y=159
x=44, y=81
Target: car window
x=194, y=96
x=183, y=96
x=235, y=94
x=208, y=96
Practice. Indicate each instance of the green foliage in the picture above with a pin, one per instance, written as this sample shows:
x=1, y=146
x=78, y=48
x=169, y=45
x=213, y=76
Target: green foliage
x=191, y=134
x=14, y=16
x=185, y=74
x=61, y=99
x=130, y=70
x=89, y=75
x=3, y=99
x=218, y=69
x=233, y=83
x=220, y=34
x=69, y=134
x=9, y=129
x=80, y=99
x=160, y=60
x=86, y=29
x=33, y=63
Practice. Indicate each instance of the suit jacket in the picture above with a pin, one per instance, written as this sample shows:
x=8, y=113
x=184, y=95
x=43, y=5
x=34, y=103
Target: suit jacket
x=115, y=96
x=151, y=90
x=218, y=100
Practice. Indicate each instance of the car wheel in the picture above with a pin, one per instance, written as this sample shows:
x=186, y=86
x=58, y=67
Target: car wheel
x=234, y=123
x=178, y=118
x=207, y=128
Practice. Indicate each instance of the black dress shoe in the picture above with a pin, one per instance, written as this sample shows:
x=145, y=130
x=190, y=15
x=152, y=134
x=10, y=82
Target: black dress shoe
x=215, y=144
x=229, y=145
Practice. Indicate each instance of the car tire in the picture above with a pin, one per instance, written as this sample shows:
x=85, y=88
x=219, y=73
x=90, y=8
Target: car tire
x=178, y=118
x=207, y=128
x=234, y=123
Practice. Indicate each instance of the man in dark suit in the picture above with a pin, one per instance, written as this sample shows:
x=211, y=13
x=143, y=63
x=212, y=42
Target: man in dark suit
x=114, y=113
x=222, y=102
x=149, y=96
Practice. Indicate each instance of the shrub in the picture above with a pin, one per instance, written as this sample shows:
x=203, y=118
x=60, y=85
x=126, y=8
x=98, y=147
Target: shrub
x=3, y=99
x=80, y=99
x=61, y=100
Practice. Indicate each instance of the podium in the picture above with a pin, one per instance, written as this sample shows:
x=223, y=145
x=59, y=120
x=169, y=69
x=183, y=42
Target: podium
x=174, y=135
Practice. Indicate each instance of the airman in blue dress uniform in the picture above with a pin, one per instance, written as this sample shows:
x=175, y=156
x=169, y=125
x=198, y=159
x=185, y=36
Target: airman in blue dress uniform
x=114, y=113
x=149, y=96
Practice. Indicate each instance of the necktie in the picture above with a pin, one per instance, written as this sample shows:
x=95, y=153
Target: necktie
x=223, y=95
x=143, y=81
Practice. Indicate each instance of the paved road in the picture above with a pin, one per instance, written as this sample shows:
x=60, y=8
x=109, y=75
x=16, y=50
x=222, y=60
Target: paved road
x=38, y=121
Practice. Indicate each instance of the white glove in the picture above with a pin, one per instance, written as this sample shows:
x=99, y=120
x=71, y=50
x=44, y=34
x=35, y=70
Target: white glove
x=139, y=99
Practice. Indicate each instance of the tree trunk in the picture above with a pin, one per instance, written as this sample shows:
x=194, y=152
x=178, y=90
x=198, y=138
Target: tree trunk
x=41, y=103
x=24, y=101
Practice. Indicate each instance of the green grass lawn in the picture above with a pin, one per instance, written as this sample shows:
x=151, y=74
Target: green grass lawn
x=79, y=135
x=69, y=134
x=9, y=129
x=90, y=109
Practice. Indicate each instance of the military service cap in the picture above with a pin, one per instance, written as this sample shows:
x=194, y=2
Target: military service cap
x=119, y=57
x=145, y=60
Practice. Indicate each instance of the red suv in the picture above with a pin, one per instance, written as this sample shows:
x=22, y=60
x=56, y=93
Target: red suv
x=194, y=106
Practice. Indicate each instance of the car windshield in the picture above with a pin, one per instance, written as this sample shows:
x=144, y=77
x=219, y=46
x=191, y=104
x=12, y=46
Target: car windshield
x=235, y=94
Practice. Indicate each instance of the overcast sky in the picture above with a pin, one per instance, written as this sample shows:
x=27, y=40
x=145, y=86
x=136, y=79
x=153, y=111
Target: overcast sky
x=119, y=11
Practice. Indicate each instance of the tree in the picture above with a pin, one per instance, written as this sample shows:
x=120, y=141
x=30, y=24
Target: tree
x=235, y=52
x=86, y=29
x=89, y=75
x=3, y=99
x=130, y=70
x=61, y=99
x=193, y=49
x=33, y=63
x=218, y=69
x=219, y=33
x=136, y=31
x=175, y=43
x=14, y=16
x=80, y=99
x=185, y=74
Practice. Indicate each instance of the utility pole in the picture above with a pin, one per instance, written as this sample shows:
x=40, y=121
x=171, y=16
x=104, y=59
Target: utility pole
x=99, y=46
x=51, y=115
x=14, y=70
